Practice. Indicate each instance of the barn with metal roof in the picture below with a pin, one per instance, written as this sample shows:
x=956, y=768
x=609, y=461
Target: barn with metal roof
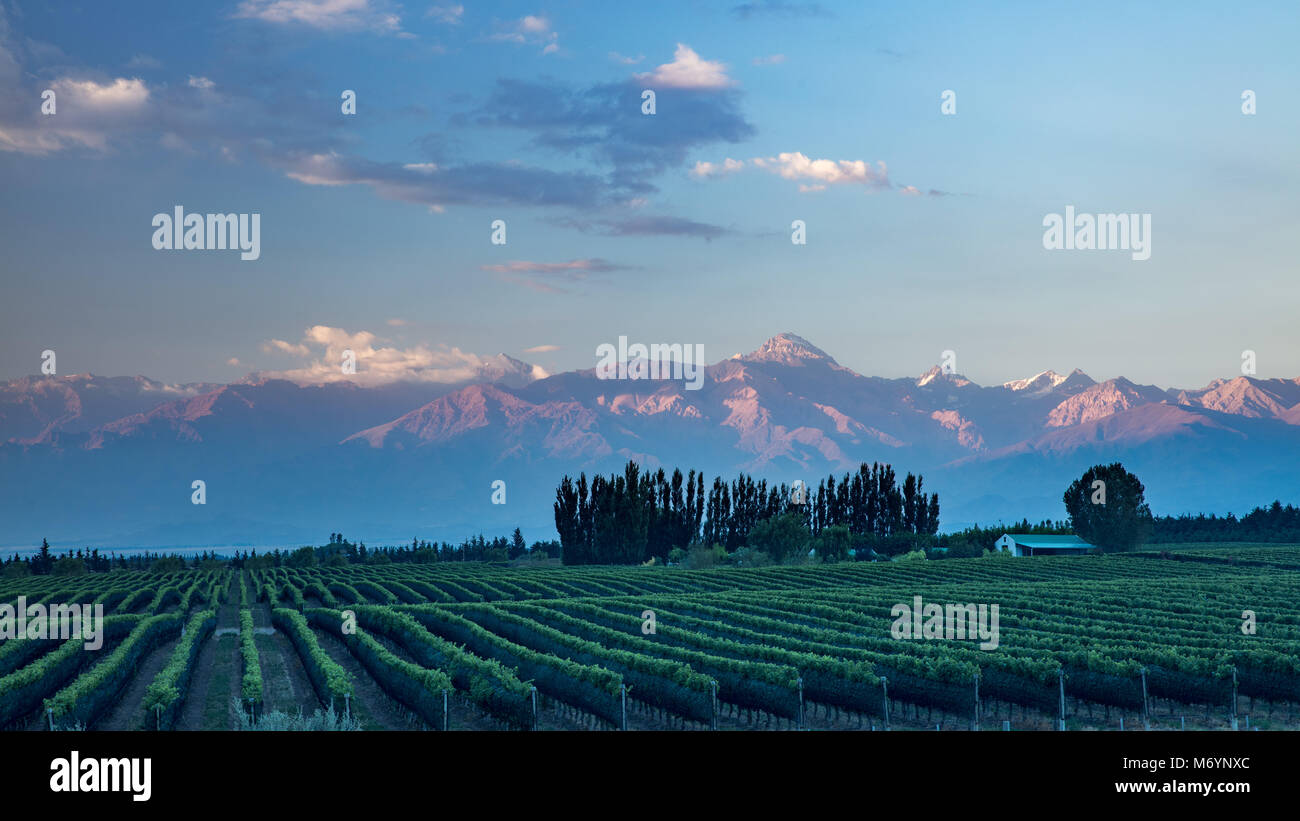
x=1027, y=544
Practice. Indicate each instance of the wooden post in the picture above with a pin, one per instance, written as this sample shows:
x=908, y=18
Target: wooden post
x=713, y=686
x=623, y=697
x=1146, y=712
x=976, y=725
x=445, y=723
x=884, y=686
x=347, y=704
x=534, y=697
x=800, y=702
x=1234, y=700
x=1060, y=681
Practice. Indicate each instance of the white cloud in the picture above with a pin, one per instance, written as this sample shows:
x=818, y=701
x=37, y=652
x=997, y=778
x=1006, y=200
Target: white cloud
x=688, y=70
x=285, y=347
x=542, y=349
x=707, y=169
x=396, y=323
x=87, y=112
x=770, y=60
x=533, y=29
x=329, y=15
x=120, y=95
x=233, y=362
x=627, y=61
x=795, y=165
x=450, y=15
x=200, y=82
x=381, y=365
x=910, y=190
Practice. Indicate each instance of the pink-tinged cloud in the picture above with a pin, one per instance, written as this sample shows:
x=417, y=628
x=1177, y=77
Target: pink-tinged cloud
x=548, y=276
x=378, y=364
x=328, y=15
x=688, y=70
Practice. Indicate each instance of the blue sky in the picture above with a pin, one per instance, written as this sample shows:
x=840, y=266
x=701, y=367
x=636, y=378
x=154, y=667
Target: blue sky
x=375, y=228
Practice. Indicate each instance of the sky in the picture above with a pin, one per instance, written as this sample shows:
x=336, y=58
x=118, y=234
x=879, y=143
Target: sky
x=924, y=229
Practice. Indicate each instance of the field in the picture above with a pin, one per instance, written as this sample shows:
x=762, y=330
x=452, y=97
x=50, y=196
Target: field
x=1148, y=640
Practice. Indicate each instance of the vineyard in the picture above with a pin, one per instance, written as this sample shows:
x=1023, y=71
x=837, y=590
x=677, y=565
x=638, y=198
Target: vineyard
x=1152, y=640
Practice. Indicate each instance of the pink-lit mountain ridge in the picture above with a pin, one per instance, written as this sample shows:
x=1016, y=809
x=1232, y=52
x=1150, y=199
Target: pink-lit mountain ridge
x=402, y=457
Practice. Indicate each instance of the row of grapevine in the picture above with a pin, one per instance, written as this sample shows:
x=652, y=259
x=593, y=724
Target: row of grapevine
x=166, y=692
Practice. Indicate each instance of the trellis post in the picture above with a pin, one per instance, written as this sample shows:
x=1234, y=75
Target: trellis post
x=884, y=688
x=1146, y=713
x=1060, y=682
x=1234, y=699
x=800, y=682
x=713, y=688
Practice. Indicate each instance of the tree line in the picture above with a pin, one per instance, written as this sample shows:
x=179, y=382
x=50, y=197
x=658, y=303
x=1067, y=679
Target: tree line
x=338, y=551
x=1276, y=524
x=635, y=517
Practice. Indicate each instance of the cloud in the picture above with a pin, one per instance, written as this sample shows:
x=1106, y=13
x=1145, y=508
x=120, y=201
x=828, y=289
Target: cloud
x=605, y=122
x=273, y=345
x=327, y=15
x=451, y=15
x=708, y=169
x=533, y=29
x=770, y=60
x=233, y=362
x=173, y=142
x=104, y=113
x=542, y=349
x=396, y=323
x=794, y=165
x=473, y=184
x=120, y=95
x=548, y=276
x=777, y=8
x=378, y=364
x=144, y=61
x=88, y=112
x=645, y=226
x=815, y=175
x=687, y=70
x=627, y=61
x=585, y=265
x=812, y=175
x=913, y=191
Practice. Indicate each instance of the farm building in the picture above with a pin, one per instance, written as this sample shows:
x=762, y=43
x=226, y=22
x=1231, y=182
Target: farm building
x=1025, y=544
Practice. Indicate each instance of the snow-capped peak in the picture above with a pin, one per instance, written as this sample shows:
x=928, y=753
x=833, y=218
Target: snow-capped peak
x=789, y=349
x=936, y=373
x=1043, y=381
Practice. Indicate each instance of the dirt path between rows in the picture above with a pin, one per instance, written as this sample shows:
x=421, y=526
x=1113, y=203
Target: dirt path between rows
x=215, y=681
x=128, y=713
x=374, y=708
x=285, y=685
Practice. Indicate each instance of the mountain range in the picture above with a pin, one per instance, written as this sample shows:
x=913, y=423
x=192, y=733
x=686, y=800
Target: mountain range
x=110, y=461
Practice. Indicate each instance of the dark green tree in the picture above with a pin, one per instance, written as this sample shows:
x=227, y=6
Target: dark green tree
x=1107, y=507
